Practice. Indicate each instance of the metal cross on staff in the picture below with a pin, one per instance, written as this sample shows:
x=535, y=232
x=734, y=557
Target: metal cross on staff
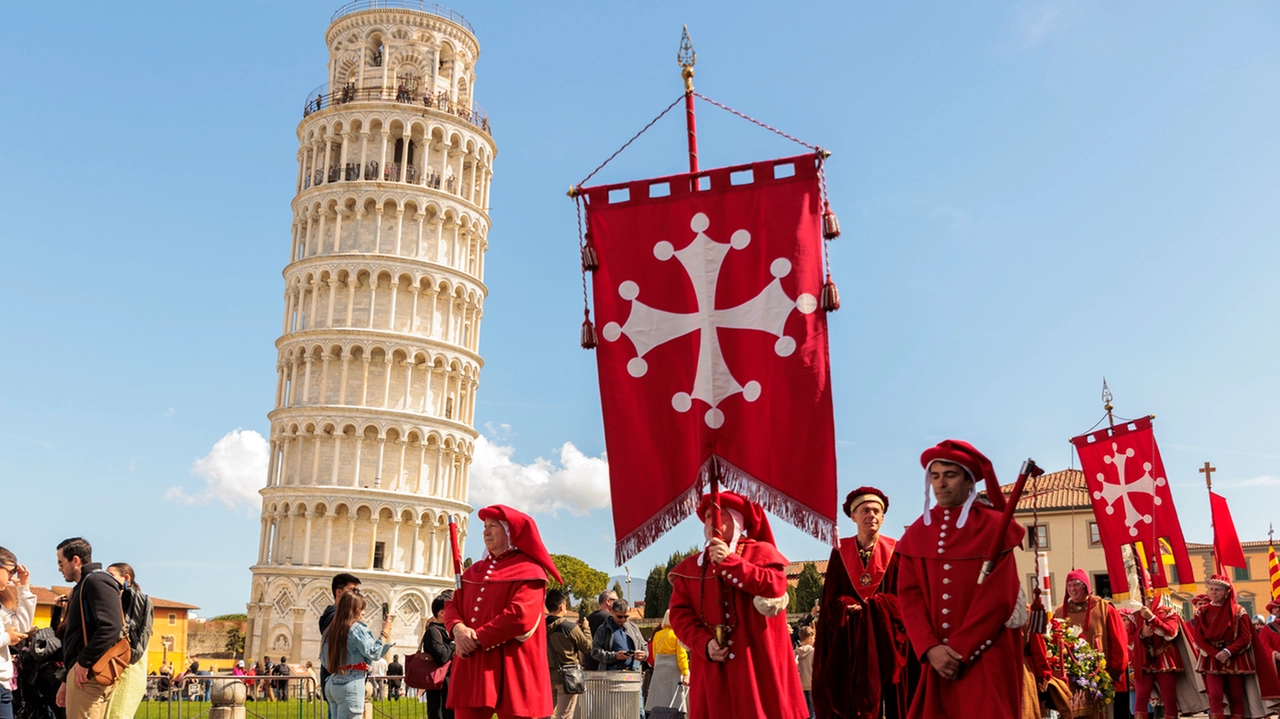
x=1208, y=471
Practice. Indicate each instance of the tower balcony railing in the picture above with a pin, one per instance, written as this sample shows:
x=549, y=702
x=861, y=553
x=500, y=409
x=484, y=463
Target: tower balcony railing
x=393, y=172
x=427, y=7
x=470, y=111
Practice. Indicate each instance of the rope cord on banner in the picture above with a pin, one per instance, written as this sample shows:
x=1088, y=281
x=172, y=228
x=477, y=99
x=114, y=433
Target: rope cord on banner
x=627, y=144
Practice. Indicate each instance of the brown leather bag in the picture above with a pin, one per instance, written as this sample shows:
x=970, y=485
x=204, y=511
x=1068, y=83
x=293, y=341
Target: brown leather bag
x=112, y=664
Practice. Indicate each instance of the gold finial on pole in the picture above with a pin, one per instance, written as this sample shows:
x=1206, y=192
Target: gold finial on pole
x=687, y=59
x=1106, y=398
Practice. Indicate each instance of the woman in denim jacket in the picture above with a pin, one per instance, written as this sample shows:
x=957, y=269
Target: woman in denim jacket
x=348, y=650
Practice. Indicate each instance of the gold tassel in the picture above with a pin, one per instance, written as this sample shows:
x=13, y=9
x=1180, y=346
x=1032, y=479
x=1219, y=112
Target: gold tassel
x=1037, y=618
x=588, y=332
x=830, y=296
x=590, y=262
x=830, y=225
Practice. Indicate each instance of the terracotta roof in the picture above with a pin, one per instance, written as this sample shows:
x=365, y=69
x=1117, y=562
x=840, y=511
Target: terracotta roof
x=1243, y=545
x=1064, y=489
x=47, y=595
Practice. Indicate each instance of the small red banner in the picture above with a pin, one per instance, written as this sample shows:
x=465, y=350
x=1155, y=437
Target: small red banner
x=1226, y=543
x=713, y=349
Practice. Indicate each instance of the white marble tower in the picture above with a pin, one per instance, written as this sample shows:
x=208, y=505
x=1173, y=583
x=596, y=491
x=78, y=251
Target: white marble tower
x=372, y=431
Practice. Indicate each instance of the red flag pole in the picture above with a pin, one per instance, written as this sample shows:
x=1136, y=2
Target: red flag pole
x=457, y=552
x=687, y=57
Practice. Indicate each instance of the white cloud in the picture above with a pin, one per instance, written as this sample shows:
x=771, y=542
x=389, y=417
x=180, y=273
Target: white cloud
x=577, y=483
x=233, y=472
x=1265, y=480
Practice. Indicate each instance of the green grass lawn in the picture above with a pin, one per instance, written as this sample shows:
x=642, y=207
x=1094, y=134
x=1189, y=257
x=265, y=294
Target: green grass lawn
x=292, y=709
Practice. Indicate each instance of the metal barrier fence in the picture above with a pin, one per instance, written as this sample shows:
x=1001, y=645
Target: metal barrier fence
x=265, y=697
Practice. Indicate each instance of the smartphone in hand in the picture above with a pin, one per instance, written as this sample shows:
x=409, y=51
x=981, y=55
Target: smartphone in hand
x=386, y=611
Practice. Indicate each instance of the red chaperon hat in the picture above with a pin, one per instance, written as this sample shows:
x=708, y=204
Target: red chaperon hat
x=973, y=462
x=755, y=521
x=523, y=535
x=864, y=494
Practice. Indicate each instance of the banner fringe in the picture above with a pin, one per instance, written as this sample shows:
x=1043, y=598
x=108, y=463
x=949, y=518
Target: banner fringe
x=732, y=479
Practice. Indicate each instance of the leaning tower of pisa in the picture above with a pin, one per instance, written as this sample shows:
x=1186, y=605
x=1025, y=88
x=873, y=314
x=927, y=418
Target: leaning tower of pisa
x=372, y=430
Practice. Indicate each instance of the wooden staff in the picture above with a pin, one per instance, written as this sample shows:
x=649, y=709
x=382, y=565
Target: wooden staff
x=457, y=553
x=1029, y=469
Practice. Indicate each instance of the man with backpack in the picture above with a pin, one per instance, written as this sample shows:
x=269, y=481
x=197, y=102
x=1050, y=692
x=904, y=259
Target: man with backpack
x=282, y=687
x=94, y=623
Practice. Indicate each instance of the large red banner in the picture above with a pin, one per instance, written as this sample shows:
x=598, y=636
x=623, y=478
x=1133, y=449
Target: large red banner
x=713, y=349
x=1132, y=503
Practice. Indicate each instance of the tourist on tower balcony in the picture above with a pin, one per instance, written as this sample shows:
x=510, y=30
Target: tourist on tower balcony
x=500, y=666
x=348, y=650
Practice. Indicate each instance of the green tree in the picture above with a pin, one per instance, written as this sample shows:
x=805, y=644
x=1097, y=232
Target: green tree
x=653, y=587
x=808, y=587
x=791, y=600
x=657, y=589
x=235, y=642
x=231, y=618
x=617, y=589
x=580, y=580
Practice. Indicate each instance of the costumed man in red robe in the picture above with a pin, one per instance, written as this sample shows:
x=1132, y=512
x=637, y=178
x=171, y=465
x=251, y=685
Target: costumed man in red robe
x=495, y=617
x=738, y=586
x=1157, y=659
x=860, y=658
x=971, y=661
x=1224, y=635
x=1101, y=626
x=1269, y=636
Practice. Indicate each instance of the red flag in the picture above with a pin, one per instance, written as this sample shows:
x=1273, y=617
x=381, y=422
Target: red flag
x=713, y=351
x=1226, y=543
x=1132, y=502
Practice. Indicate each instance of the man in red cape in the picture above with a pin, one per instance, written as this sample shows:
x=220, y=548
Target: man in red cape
x=860, y=668
x=1100, y=624
x=971, y=662
x=1269, y=636
x=1224, y=634
x=500, y=666
x=739, y=583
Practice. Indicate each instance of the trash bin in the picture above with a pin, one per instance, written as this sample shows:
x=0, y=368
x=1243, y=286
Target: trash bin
x=610, y=695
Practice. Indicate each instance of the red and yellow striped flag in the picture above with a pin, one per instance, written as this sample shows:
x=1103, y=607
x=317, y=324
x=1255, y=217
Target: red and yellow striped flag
x=1275, y=572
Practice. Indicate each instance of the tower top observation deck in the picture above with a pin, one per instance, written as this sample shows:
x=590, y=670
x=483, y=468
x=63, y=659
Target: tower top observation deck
x=427, y=7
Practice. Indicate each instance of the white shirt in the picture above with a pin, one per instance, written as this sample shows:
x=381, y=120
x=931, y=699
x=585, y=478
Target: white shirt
x=19, y=619
x=379, y=668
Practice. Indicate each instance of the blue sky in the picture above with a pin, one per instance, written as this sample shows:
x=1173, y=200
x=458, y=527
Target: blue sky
x=1033, y=195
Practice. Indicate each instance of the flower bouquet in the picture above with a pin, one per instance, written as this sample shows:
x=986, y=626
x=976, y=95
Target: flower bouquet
x=1083, y=667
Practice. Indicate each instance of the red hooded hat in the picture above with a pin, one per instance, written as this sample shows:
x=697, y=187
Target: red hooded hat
x=1080, y=575
x=523, y=535
x=975, y=463
x=755, y=521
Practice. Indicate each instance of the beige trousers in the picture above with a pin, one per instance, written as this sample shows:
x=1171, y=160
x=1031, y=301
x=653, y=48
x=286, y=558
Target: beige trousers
x=88, y=701
x=565, y=704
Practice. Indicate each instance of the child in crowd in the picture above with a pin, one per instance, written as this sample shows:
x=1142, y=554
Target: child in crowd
x=804, y=660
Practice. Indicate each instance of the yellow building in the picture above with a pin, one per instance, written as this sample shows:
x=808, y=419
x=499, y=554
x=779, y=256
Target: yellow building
x=1252, y=583
x=168, y=632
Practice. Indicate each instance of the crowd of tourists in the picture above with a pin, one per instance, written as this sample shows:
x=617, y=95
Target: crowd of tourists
x=904, y=628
